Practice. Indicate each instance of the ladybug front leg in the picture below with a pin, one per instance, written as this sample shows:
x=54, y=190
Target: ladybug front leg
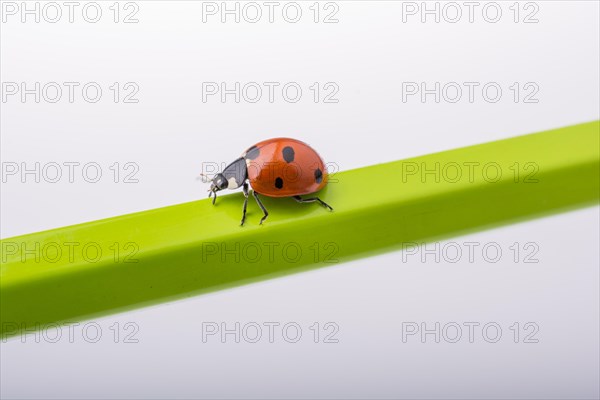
x=245, y=191
x=260, y=204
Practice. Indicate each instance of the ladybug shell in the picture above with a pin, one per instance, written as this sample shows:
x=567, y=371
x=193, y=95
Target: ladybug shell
x=284, y=167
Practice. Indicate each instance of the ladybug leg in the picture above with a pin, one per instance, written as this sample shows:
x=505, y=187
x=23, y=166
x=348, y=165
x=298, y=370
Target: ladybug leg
x=312, y=200
x=260, y=204
x=245, y=191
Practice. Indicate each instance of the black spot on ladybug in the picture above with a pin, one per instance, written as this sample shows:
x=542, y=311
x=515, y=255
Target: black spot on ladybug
x=278, y=183
x=252, y=153
x=318, y=175
x=288, y=154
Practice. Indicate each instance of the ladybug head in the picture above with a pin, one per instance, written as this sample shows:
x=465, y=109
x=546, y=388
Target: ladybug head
x=218, y=183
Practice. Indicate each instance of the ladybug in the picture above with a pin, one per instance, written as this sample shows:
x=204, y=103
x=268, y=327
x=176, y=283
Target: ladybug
x=279, y=167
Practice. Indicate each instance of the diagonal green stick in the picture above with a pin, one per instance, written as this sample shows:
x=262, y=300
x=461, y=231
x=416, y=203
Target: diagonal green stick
x=102, y=267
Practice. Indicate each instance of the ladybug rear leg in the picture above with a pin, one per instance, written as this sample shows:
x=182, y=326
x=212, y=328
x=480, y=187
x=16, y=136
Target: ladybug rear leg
x=312, y=200
x=245, y=191
x=260, y=204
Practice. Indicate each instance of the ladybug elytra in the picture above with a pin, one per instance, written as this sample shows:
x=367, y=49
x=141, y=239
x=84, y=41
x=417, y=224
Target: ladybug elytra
x=280, y=167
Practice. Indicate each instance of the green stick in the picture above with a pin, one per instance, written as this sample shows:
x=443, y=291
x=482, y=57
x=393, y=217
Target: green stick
x=102, y=267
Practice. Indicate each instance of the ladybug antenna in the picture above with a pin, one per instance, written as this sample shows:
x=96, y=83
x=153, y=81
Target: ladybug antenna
x=204, y=178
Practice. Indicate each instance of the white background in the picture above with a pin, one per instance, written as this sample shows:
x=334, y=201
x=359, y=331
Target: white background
x=170, y=132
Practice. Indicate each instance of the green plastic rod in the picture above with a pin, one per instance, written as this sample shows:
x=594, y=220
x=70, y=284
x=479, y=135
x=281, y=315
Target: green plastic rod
x=101, y=267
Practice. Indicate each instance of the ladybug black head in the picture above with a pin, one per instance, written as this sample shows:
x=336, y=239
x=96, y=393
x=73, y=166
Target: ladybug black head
x=218, y=183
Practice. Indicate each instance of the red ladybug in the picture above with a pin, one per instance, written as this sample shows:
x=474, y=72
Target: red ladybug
x=280, y=167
